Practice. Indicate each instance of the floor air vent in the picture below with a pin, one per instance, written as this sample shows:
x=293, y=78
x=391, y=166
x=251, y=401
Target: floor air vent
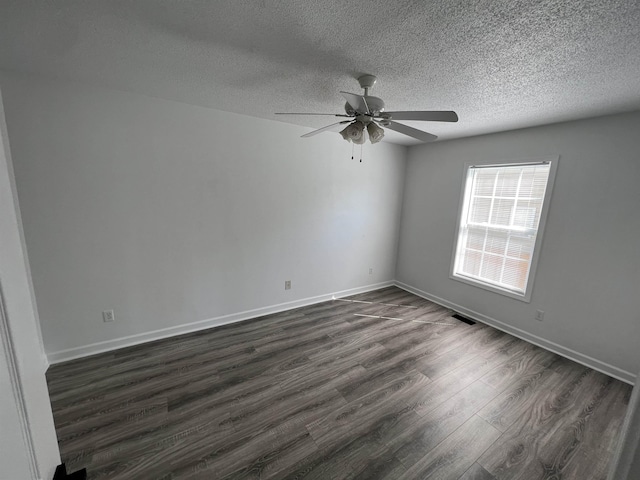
x=466, y=320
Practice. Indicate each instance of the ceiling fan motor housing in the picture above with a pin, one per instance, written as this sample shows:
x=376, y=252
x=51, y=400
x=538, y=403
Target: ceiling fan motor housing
x=350, y=110
x=375, y=104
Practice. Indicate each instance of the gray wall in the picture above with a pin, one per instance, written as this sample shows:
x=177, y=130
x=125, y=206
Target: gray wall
x=171, y=214
x=589, y=269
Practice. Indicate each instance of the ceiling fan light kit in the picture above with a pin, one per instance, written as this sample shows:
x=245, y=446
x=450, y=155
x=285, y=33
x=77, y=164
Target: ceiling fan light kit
x=369, y=116
x=375, y=133
x=354, y=133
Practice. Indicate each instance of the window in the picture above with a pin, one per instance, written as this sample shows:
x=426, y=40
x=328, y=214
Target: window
x=501, y=220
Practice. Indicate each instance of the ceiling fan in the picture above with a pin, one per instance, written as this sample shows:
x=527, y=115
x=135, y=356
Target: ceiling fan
x=366, y=112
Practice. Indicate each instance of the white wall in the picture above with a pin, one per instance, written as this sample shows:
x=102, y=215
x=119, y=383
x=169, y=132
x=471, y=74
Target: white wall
x=170, y=213
x=28, y=445
x=589, y=270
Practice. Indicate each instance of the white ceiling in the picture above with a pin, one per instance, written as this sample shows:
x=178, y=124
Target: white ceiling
x=501, y=64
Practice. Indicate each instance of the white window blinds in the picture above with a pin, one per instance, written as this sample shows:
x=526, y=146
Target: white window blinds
x=499, y=223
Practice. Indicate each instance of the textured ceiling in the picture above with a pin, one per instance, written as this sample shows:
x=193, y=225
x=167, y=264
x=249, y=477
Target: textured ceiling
x=499, y=64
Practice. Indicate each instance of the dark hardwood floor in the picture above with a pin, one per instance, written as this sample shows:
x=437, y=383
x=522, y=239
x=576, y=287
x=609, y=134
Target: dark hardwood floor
x=379, y=385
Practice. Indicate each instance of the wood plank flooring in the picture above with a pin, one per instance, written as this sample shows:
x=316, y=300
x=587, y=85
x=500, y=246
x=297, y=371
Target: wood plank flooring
x=382, y=385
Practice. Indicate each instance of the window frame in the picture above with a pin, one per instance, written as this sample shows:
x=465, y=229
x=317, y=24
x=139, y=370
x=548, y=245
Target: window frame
x=465, y=194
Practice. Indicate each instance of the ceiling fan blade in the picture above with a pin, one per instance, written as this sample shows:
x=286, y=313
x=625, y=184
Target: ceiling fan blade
x=412, y=132
x=429, y=116
x=324, y=129
x=325, y=114
x=358, y=102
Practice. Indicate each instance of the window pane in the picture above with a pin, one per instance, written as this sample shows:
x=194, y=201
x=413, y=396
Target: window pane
x=526, y=215
x=496, y=242
x=484, y=182
x=520, y=247
x=501, y=213
x=480, y=210
x=515, y=273
x=534, y=182
x=507, y=184
x=491, y=267
x=475, y=238
x=471, y=265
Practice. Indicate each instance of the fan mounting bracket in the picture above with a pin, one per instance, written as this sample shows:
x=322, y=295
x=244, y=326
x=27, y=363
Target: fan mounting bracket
x=367, y=81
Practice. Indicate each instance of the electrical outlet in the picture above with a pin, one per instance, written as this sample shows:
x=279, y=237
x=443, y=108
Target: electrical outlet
x=287, y=284
x=371, y=271
x=108, y=316
x=539, y=315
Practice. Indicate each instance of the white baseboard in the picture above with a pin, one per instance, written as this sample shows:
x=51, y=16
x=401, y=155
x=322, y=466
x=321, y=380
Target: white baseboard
x=106, y=346
x=578, y=357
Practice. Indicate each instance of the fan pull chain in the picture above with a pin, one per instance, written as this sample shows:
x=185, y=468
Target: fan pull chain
x=361, y=153
x=352, y=147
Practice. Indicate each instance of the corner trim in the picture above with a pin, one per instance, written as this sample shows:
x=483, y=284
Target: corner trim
x=16, y=388
x=586, y=360
x=139, y=338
